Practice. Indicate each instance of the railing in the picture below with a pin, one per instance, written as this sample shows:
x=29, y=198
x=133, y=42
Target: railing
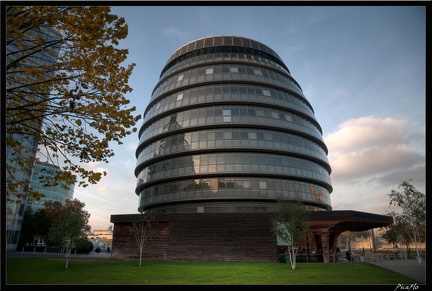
x=375, y=257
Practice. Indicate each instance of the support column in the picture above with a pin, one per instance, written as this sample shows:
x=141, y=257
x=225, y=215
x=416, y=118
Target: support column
x=333, y=245
x=325, y=246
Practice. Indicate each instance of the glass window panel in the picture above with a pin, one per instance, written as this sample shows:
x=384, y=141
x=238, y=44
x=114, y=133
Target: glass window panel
x=202, y=144
x=179, y=78
x=246, y=184
x=217, y=89
x=219, y=135
x=202, y=91
x=243, y=112
x=252, y=135
x=209, y=71
x=259, y=113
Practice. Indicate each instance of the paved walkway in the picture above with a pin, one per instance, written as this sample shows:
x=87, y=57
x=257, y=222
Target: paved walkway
x=410, y=268
x=92, y=255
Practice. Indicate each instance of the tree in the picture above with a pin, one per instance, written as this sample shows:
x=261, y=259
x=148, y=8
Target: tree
x=65, y=87
x=68, y=224
x=35, y=226
x=398, y=232
x=413, y=216
x=144, y=229
x=290, y=224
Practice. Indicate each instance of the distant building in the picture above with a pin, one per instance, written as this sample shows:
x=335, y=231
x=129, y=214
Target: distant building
x=53, y=193
x=101, y=238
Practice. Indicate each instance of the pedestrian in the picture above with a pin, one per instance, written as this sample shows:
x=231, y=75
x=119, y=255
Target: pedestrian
x=348, y=255
x=338, y=253
x=108, y=249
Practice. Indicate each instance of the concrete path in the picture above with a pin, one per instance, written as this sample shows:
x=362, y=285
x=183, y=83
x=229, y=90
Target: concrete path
x=410, y=268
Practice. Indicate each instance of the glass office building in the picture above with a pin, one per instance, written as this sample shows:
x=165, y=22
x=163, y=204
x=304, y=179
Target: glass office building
x=53, y=193
x=227, y=130
x=34, y=60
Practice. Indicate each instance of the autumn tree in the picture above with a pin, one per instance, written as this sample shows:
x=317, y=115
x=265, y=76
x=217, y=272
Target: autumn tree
x=290, y=224
x=144, y=229
x=69, y=223
x=65, y=87
x=413, y=206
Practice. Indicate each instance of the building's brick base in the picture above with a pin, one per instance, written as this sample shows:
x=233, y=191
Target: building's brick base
x=200, y=237
x=233, y=236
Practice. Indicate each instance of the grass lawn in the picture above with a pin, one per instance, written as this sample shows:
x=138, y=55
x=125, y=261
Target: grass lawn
x=114, y=272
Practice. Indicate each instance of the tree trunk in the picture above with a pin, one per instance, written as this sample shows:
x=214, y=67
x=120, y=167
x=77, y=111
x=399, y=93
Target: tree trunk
x=141, y=250
x=67, y=257
x=417, y=241
x=292, y=256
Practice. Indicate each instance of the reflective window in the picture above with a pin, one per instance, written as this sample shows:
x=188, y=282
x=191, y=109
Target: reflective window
x=251, y=163
x=236, y=187
x=212, y=93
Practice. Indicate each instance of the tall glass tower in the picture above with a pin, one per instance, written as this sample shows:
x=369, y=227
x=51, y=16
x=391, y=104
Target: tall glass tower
x=229, y=130
x=53, y=193
x=35, y=60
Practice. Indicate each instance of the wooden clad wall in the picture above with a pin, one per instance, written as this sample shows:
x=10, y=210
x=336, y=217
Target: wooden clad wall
x=203, y=237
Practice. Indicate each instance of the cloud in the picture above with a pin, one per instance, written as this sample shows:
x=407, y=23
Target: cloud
x=94, y=166
x=369, y=157
x=366, y=133
x=132, y=146
x=174, y=32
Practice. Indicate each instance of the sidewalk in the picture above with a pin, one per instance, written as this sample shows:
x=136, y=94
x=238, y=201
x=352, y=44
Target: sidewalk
x=410, y=268
x=91, y=255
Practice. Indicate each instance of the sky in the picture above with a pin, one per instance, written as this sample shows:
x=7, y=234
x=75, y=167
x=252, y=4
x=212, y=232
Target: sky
x=362, y=68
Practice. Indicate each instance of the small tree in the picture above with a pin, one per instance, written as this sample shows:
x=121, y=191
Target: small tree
x=68, y=225
x=290, y=224
x=398, y=232
x=144, y=229
x=413, y=205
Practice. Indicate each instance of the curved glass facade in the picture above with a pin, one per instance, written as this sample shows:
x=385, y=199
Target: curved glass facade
x=228, y=129
x=53, y=193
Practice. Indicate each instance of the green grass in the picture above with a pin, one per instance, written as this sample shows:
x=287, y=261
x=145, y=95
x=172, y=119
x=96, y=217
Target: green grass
x=114, y=272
